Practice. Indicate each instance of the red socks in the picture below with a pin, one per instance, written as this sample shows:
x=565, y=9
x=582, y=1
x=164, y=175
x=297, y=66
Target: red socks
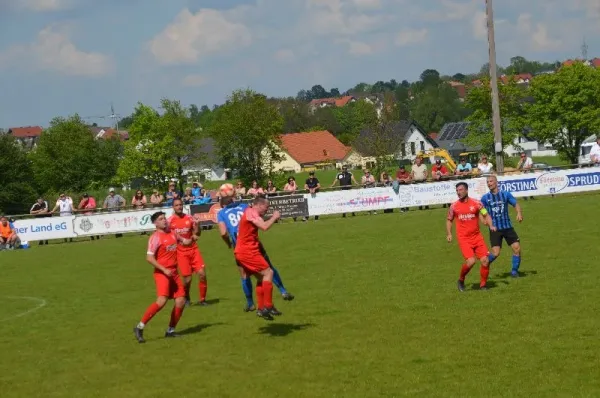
x=268, y=293
x=484, y=273
x=175, y=317
x=150, y=312
x=463, y=272
x=260, y=295
x=203, y=286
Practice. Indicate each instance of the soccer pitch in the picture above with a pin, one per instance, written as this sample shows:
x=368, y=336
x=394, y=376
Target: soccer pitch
x=376, y=313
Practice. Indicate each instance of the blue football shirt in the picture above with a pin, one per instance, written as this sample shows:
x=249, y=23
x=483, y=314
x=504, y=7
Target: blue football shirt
x=231, y=215
x=497, y=206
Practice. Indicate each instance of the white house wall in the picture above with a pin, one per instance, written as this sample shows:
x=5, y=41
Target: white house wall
x=417, y=138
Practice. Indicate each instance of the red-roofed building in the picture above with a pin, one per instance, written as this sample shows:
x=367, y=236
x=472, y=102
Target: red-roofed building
x=460, y=88
x=337, y=102
x=315, y=149
x=106, y=133
x=28, y=136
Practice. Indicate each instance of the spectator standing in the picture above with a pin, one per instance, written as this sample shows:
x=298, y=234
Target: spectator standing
x=139, y=200
x=419, y=174
x=438, y=170
x=484, y=166
x=88, y=205
x=595, y=152
x=386, y=181
x=291, y=186
x=188, y=197
x=525, y=165
x=464, y=168
x=172, y=194
x=156, y=198
x=64, y=204
x=114, y=202
x=271, y=189
x=345, y=179
x=312, y=185
x=255, y=190
x=368, y=181
x=403, y=177
x=240, y=190
x=40, y=209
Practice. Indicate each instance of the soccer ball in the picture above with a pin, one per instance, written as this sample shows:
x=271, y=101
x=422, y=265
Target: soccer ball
x=226, y=191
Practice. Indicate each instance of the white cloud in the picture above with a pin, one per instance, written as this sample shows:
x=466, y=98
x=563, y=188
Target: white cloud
x=409, y=37
x=54, y=51
x=44, y=5
x=479, y=22
x=454, y=10
x=368, y=4
x=537, y=33
x=192, y=37
x=194, y=80
x=284, y=56
x=360, y=48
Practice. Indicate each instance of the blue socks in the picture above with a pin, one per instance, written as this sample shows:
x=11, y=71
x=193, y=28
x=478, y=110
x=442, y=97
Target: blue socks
x=247, y=288
x=277, y=281
x=491, y=258
x=516, y=262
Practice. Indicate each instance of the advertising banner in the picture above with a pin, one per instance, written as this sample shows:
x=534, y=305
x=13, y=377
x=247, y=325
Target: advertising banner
x=552, y=182
x=205, y=214
x=45, y=228
x=352, y=201
x=116, y=222
x=289, y=206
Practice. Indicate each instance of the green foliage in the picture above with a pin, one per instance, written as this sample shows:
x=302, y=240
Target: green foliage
x=69, y=158
x=16, y=194
x=436, y=105
x=160, y=146
x=246, y=132
x=566, y=108
x=479, y=102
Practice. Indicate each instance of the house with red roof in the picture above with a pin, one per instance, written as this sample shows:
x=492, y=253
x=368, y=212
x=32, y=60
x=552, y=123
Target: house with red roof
x=314, y=150
x=28, y=136
x=325, y=102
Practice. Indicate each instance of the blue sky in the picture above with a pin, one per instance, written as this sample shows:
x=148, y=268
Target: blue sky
x=60, y=57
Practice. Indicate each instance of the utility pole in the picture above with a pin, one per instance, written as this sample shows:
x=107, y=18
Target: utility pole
x=498, y=147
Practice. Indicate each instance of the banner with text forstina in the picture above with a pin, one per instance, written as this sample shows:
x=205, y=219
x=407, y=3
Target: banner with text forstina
x=551, y=182
x=116, y=222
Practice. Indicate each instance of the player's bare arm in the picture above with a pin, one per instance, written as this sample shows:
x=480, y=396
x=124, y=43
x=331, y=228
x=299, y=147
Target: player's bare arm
x=449, y=230
x=196, y=231
x=152, y=260
x=265, y=225
x=519, y=213
x=224, y=234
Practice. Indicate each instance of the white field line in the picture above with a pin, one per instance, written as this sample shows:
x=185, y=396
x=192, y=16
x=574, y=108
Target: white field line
x=39, y=301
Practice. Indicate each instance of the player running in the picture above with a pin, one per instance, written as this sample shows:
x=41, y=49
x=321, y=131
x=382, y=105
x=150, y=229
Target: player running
x=162, y=255
x=188, y=257
x=249, y=256
x=229, y=221
x=467, y=212
x=496, y=203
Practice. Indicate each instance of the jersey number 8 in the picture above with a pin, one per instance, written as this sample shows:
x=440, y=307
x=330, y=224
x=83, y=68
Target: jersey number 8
x=234, y=218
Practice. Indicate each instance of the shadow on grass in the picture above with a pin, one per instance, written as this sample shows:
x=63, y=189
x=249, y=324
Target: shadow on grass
x=213, y=301
x=522, y=274
x=283, y=329
x=490, y=284
x=198, y=328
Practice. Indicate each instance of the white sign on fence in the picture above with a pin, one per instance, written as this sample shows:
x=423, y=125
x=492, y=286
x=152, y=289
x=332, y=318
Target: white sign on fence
x=352, y=200
x=115, y=222
x=45, y=228
x=552, y=182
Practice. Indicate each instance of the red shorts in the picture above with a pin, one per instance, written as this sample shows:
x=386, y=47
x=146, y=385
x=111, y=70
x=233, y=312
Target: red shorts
x=473, y=247
x=169, y=286
x=189, y=262
x=253, y=263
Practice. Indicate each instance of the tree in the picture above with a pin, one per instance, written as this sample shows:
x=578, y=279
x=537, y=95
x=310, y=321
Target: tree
x=430, y=77
x=459, y=77
x=479, y=102
x=160, y=146
x=246, y=131
x=295, y=114
x=17, y=193
x=436, y=106
x=565, y=108
x=69, y=158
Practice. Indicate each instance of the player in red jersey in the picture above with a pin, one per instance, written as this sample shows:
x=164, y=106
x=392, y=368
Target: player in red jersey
x=249, y=256
x=467, y=213
x=189, y=259
x=162, y=255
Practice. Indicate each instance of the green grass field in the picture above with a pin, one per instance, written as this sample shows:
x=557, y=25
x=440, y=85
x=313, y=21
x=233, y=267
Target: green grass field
x=376, y=314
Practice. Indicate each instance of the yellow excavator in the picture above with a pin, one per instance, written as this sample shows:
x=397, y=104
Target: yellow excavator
x=471, y=157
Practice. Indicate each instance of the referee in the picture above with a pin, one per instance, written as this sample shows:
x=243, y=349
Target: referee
x=345, y=179
x=497, y=202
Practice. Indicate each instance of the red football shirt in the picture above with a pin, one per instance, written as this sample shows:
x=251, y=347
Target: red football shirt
x=466, y=215
x=247, y=239
x=184, y=227
x=163, y=246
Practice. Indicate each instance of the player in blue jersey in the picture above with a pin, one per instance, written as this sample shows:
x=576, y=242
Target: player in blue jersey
x=496, y=203
x=228, y=218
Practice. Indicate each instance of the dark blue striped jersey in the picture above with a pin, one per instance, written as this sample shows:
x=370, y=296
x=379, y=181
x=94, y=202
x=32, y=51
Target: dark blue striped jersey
x=230, y=215
x=497, y=206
